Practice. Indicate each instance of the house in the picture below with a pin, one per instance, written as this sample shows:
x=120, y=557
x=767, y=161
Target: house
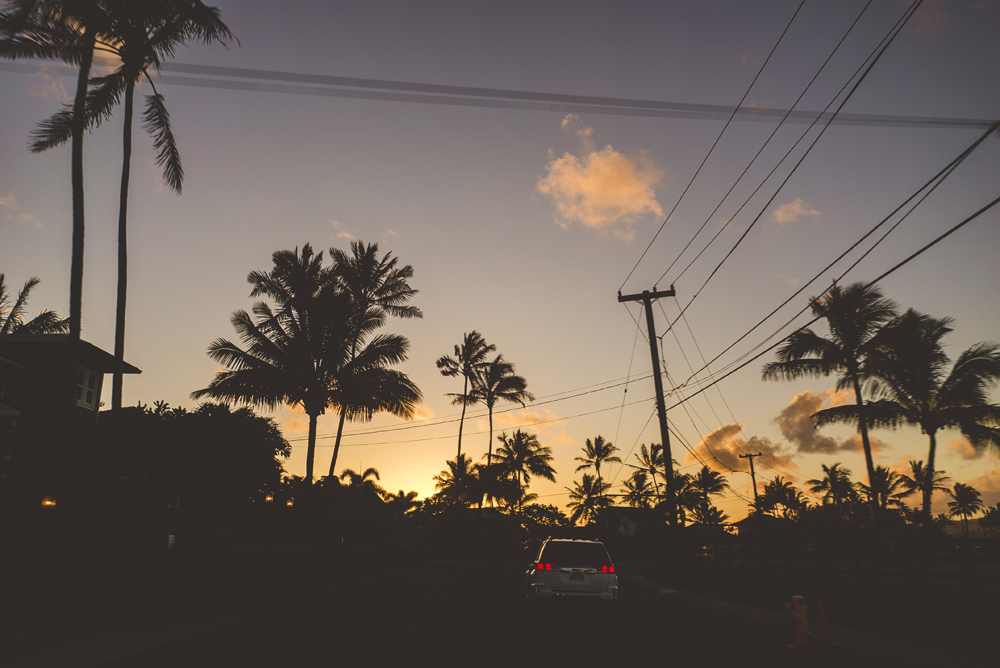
x=31, y=369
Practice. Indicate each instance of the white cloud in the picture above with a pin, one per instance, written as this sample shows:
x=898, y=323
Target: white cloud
x=790, y=212
x=49, y=87
x=788, y=279
x=988, y=482
x=795, y=422
x=605, y=189
x=8, y=202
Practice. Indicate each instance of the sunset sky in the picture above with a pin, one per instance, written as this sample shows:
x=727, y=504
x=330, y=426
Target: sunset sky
x=524, y=215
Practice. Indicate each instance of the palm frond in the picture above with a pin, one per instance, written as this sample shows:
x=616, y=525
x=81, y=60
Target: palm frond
x=156, y=121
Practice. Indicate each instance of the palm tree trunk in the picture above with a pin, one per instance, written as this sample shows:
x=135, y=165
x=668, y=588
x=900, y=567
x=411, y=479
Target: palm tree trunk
x=311, y=451
x=336, y=445
x=461, y=420
x=928, y=490
x=76, y=263
x=116, y=390
x=489, y=462
x=869, y=462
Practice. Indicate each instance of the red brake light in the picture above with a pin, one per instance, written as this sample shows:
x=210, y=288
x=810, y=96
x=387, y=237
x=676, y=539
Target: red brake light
x=545, y=567
x=607, y=569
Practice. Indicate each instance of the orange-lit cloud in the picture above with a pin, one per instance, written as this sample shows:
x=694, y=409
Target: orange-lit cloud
x=988, y=482
x=964, y=449
x=790, y=212
x=788, y=279
x=603, y=190
x=520, y=419
x=10, y=210
x=340, y=231
x=721, y=449
x=795, y=422
x=748, y=58
x=298, y=423
x=422, y=412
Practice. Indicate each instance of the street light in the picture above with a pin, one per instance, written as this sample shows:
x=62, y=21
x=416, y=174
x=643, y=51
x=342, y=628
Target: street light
x=268, y=498
x=290, y=503
x=48, y=502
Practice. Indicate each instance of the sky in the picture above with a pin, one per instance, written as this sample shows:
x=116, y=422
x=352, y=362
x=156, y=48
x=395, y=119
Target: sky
x=523, y=219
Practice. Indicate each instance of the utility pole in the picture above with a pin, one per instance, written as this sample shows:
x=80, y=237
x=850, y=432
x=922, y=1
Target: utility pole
x=750, y=456
x=647, y=297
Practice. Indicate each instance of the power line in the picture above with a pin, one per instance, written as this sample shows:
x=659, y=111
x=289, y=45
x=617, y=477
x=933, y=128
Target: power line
x=714, y=144
x=291, y=83
x=763, y=146
x=899, y=27
x=870, y=283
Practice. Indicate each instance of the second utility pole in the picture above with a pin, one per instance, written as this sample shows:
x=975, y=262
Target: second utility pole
x=647, y=297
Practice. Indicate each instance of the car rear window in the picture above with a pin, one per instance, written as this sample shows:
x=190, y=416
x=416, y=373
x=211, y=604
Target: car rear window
x=575, y=554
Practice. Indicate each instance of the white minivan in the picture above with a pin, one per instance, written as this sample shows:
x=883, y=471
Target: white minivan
x=572, y=568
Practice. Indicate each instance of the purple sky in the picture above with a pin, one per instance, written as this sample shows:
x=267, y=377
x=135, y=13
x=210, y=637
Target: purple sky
x=523, y=223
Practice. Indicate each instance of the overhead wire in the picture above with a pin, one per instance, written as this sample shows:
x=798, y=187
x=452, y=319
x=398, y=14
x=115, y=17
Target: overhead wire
x=898, y=28
x=714, y=144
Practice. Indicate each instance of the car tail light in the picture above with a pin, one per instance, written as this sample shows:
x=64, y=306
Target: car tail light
x=545, y=567
x=607, y=569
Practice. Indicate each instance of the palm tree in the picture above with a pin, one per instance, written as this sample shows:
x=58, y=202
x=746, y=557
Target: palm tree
x=12, y=315
x=140, y=34
x=911, y=386
x=64, y=30
x=305, y=353
x=496, y=381
x=521, y=456
x=967, y=503
x=458, y=483
x=469, y=359
x=588, y=498
x=835, y=486
x=401, y=503
x=377, y=288
x=990, y=521
x=709, y=482
x=854, y=316
x=638, y=493
x=363, y=484
x=650, y=462
x=780, y=492
x=596, y=453
x=889, y=489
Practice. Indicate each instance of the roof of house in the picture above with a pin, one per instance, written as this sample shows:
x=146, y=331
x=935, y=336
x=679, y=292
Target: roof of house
x=30, y=350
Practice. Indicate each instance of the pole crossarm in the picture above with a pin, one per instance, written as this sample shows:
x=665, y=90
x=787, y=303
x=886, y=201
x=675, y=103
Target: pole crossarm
x=646, y=294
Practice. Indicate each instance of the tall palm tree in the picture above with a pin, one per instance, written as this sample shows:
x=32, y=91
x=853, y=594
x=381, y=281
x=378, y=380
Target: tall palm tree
x=140, y=34
x=781, y=492
x=708, y=483
x=854, y=316
x=966, y=504
x=12, y=315
x=401, y=503
x=588, y=498
x=377, y=289
x=304, y=352
x=596, y=453
x=469, y=359
x=64, y=30
x=521, y=456
x=835, y=486
x=496, y=381
x=911, y=385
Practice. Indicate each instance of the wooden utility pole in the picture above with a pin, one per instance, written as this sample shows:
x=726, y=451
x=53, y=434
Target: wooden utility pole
x=647, y=297
x=753, y=477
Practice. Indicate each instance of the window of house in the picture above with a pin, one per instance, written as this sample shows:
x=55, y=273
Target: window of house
x=87, y=384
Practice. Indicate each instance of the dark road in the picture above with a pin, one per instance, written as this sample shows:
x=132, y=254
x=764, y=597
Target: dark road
x=474, y=614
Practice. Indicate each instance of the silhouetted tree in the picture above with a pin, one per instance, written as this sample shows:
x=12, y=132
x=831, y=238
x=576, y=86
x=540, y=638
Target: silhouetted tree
x=587, y=499
x=854, y=316
x=638, y=493
x=469, y=359
x=377, y=289
x=966, y=504
x=12, y=315
x=596, y=453
x=835, y=486
x=363, y=485
x=521, y=456
x=459, y=482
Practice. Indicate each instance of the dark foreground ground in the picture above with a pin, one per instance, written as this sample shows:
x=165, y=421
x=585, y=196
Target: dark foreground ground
x=461, y=613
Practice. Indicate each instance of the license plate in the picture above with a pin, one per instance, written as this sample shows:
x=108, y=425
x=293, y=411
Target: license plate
x=576, y=577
